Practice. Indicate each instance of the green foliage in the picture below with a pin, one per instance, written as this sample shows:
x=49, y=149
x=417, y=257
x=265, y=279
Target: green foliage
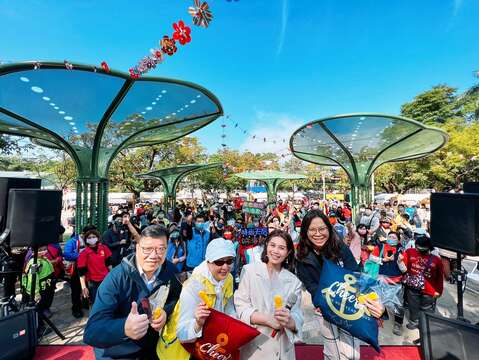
x=457, y=161
x=129, y=162
x=432, y=107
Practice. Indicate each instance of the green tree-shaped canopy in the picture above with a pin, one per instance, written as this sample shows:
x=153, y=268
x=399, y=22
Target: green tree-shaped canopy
x=360, y=143
x=93, y=114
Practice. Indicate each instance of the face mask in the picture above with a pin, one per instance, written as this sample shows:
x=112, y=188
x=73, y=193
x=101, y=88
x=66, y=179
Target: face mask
x=298, y=229
x=392, y=242
x=256, y=224
x=161, y=216
x=91, y=241
x=199, y=226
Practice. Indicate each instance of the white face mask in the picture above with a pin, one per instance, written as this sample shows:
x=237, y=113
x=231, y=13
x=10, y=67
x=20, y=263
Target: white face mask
x=92, y=241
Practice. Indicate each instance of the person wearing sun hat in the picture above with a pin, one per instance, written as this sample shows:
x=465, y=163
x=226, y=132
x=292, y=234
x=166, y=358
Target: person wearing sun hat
x=383, y=230
x=213, y=278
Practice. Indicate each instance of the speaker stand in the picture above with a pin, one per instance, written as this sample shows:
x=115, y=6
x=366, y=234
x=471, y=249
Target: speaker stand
x=31, y=304
x=459, y=275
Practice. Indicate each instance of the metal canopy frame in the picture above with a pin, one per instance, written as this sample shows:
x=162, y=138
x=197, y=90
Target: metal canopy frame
x=171, y=177
x=108, y=104
x=271, y=178
x=343, y=141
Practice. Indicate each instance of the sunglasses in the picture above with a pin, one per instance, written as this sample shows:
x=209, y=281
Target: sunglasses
x=222, y=262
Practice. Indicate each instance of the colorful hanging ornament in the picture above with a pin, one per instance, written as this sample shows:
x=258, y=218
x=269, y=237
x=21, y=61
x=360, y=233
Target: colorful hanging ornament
x=202, y=16
x=168, y=45
x=36, y=65
x=105, y=66
x=201, y=13
x=157, y=55
x=134, y=73
x=182, y=33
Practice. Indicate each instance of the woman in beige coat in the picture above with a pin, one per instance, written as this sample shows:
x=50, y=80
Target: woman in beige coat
x=254, y=300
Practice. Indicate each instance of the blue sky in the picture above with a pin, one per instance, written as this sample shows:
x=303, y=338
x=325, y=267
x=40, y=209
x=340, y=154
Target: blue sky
x=274, y=64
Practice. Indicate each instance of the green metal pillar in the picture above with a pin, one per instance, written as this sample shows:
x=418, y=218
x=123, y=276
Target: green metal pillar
x=360, y=194
x=78, y=206
x=92, y=203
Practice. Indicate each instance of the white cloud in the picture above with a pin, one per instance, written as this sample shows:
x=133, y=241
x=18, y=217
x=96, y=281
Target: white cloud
x=272, y=126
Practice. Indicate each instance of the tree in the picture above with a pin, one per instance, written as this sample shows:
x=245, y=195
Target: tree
x=129, y=162
x=432, y=107
x=56, y=167
x=453, y=164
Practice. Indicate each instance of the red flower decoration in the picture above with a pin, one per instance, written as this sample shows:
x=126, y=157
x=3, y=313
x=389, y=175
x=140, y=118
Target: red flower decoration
x=182, y=32
x=134, y=74
x=168, y=45
x=105, y=66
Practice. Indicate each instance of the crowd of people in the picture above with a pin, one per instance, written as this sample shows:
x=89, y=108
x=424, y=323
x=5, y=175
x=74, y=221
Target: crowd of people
x=241, y=258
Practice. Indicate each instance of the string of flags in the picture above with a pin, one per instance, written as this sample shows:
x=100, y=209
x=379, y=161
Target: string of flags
x=262, y=138
x=283, y=152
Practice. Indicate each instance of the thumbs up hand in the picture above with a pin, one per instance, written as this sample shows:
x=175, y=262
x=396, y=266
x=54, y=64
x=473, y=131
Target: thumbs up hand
x=136, y=325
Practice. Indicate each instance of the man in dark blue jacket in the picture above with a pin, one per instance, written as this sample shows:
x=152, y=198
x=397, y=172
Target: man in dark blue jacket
x=134, y=301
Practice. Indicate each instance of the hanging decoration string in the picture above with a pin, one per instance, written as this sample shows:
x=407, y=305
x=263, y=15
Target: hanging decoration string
x=202, y=16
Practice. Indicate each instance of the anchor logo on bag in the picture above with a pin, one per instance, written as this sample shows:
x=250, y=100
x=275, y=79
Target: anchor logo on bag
x=341, y=299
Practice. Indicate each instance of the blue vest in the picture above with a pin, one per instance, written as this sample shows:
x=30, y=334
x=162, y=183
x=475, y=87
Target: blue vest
x=196, y=248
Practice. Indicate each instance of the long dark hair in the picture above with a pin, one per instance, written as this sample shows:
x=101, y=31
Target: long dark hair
x=331, y=248
x=288, y=262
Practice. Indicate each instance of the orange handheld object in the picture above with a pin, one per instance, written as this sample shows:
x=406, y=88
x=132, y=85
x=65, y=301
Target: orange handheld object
x=203, y=297
x=278, y=302
x=157, y=313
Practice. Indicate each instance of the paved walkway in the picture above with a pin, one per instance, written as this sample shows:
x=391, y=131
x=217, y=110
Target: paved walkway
x=73, y=328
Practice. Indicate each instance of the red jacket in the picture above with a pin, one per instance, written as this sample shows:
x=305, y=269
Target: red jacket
x=94, y=262
x=416, y=263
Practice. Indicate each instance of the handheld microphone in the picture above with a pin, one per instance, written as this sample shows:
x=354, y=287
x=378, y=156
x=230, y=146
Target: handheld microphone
x=292, y=298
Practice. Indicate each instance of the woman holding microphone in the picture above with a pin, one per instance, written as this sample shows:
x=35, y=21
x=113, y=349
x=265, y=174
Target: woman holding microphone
x=269, y=298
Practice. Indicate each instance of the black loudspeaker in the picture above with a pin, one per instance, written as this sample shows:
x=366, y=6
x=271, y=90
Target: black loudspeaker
x=455, y=222
x=18, y=336
x=33, y=216
x=13, y=183
x=447, y=339
x=471, y=187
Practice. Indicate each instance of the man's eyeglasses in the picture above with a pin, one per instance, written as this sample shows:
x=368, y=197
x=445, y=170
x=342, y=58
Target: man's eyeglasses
x=149, y=250
x=222, y=262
